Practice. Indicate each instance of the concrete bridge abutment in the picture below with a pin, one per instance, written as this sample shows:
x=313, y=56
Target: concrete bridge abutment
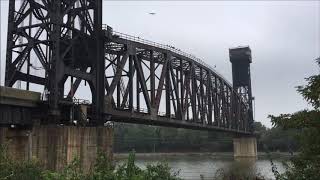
x=245, y=147
x=56, y=146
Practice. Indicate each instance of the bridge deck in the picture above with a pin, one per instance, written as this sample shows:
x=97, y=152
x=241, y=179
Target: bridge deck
x=145, y=118
x=16, y=106
x=18, y=97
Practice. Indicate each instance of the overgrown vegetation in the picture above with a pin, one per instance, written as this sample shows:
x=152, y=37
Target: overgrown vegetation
x=103, y=169
x=306, y=165
x=241, y=170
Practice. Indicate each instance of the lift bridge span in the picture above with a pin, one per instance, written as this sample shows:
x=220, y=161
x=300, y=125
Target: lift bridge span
x=61, y=44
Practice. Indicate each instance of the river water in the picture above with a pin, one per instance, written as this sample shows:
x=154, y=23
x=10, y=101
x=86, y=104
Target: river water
x=209, y=167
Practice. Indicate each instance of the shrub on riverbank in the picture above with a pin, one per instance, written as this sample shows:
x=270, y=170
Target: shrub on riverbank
x=102, y=170
x=240, y=170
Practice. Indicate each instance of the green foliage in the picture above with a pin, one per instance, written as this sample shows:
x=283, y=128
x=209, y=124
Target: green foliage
x=159, y=171
x=12, y=170
x=103, y=170
x=129, y=170
x=311, y=91
x=71, y=172
x=277, y=138
x=298, y=120
x=306, y=165
x=242, y=170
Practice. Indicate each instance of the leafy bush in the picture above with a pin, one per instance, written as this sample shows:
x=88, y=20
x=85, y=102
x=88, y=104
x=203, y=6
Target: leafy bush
x=240, y=170
x=103, y=169
x=13, y=170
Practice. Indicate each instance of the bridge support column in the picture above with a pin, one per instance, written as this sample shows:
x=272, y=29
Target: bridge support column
x=16, y=143
x=56, y=146
x=245, y=147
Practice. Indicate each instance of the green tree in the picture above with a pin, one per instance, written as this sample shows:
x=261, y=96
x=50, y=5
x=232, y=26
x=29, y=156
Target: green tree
x=306, y=165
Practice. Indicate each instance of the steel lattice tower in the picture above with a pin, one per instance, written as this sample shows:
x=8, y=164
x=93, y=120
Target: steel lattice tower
x=241, y=58
x=65, y=37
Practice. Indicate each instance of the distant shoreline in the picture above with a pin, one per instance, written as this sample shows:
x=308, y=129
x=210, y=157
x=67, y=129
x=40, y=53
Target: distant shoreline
x=192, y=154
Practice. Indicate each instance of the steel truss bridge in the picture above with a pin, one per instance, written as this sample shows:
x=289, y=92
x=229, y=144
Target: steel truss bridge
x=62, y=44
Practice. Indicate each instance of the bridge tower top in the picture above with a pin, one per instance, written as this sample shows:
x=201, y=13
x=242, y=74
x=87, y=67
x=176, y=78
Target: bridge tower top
x=240, y=58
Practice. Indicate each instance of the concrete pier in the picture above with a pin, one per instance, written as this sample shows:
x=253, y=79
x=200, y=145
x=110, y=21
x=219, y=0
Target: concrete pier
x=56, y=146
x=245, y=147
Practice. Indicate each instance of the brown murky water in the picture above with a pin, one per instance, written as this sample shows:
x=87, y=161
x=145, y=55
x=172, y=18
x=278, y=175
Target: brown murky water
x=209, y=167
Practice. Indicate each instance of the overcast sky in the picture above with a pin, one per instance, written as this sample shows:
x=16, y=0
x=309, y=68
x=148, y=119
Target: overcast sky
x=284, y=38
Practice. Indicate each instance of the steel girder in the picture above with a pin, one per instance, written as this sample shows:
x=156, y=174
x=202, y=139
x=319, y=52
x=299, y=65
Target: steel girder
x=60, y=39
x=131, y=80
x=155, y=84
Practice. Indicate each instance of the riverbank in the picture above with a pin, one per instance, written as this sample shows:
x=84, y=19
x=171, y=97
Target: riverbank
x=228, y=155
